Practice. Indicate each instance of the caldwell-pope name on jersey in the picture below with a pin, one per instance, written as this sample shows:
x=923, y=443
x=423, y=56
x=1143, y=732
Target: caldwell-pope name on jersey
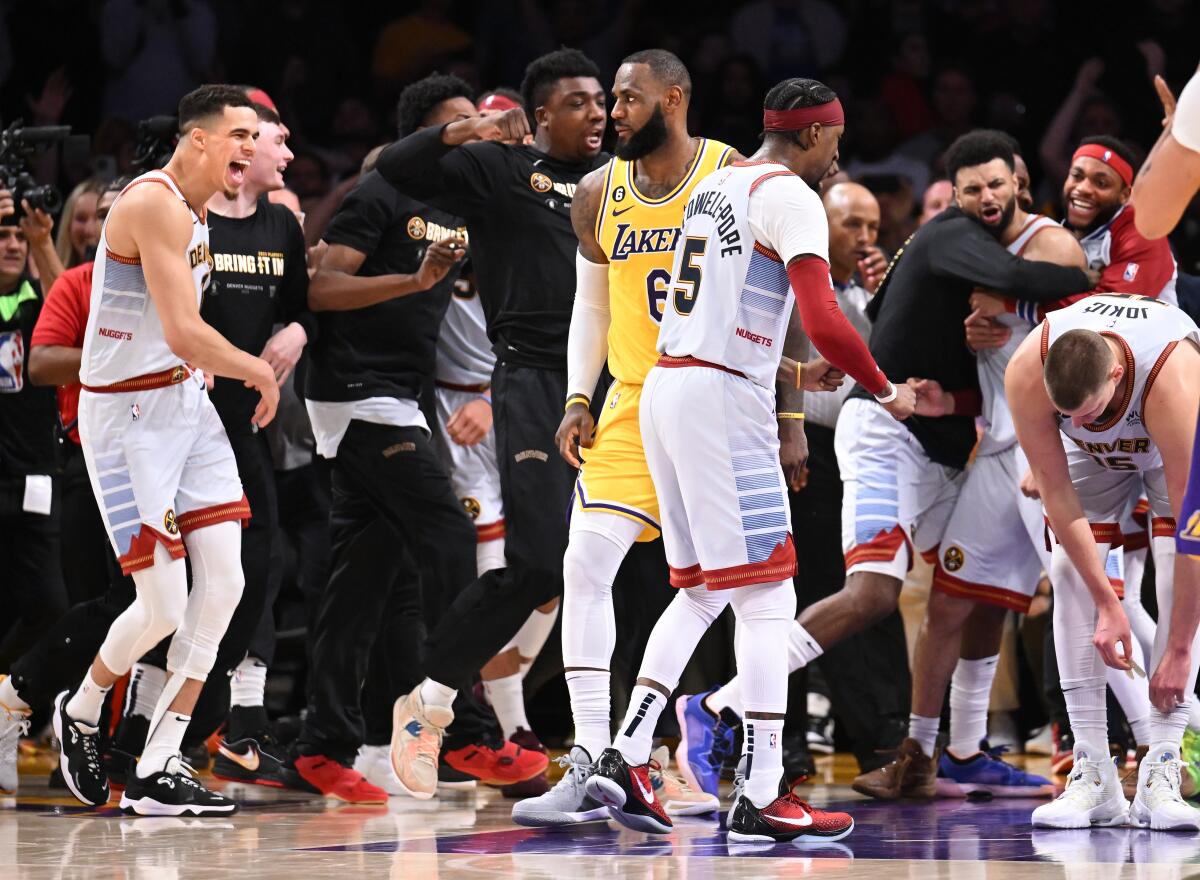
x=630, y=241
x=715, y=204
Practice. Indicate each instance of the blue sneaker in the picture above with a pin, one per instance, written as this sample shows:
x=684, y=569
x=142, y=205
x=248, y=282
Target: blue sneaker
x=705, y=741
x=986, y=773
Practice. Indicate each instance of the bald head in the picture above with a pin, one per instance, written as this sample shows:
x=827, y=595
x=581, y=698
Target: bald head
x=853, y=216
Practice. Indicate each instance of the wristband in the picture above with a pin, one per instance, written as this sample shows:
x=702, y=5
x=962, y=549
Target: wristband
x=789, y=416
x=577, y=398
x=799, y=374
x=888, y=398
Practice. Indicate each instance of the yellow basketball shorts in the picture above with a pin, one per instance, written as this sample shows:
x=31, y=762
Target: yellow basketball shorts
x=614, y=477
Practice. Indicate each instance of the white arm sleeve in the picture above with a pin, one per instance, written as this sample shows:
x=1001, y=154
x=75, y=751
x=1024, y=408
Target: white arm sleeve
x=587, y=344
x=789, y=218
x=1185, y=126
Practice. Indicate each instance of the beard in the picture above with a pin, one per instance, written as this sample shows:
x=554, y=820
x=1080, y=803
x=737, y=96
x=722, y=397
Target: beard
x=1006, y=216
x=646, y=139
x=1103, y=215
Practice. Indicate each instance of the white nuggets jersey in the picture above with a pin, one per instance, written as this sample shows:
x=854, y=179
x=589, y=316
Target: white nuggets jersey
x=464, y=353
x=730, y=298
x=124, y=337
x=1148, y=330
x=1000, y=433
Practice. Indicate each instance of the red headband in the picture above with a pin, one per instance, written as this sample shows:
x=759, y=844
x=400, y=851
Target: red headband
x=258, y=96
x=1103, y=154
x=497, y=102
x=802, y=117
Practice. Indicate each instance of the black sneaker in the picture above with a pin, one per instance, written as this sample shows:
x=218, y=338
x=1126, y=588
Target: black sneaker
x=119, y=766
x=798, y=762
x=79, y=756
x=787, y=818
x=628, y=793
x=454, y=779
x=257, y=760
x=173, y=792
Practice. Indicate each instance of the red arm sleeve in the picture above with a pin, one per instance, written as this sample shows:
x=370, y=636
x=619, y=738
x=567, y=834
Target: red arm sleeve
x=826, y=326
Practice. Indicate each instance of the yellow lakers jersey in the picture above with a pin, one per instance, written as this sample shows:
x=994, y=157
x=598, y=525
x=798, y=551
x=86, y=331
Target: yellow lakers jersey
x=638, y=235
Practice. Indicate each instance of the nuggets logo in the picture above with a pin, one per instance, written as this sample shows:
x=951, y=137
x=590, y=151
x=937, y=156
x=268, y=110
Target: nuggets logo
x=619, y=194
x=952, y=559
x=178, y=375
x=416, y=228
x=540, y=182
x=472, y=507
x=169, y=523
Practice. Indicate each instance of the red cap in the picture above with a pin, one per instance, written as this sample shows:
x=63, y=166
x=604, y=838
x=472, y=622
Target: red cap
x=497, y=103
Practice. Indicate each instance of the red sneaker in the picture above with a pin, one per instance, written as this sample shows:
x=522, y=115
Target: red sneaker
x=535, y=786
x=784, y=819
x=503, y=766
x=628, y=792
x=338, y=781
x=1063, y=759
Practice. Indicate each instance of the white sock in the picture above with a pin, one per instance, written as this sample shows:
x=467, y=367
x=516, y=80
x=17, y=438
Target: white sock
x=508, y=702
x=1141, y=730
x=9, y=698
x=87, y=701
x=591, y=709
x=764, y=759
x=1166, y=731
x=1193, y=713
x=637, y=730
x=1088, y=711
x=249, y=683
x=970, y=692
x=489, y=555
x=434, y=694
x=145, y=687
x=925, y=730
x=802, y=647
x=532, y=636
x=728, y=696
x=163, y=743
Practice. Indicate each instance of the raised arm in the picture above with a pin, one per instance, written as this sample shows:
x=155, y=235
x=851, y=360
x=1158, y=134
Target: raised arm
x=1037, y=430
x=1170, y=176
x=587, y=341
x=151, y=224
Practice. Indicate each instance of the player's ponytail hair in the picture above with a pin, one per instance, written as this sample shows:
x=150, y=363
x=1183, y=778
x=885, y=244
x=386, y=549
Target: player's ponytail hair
x=794, y=94
x=1077, y=364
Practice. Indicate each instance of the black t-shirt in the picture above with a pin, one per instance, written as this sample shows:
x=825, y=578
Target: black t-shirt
x=388, y=349
x=28, y=414
x=919, y=310
x=259, y=278
x=517, y=204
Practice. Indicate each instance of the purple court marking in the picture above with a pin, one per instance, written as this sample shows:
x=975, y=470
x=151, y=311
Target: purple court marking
x=939, y=830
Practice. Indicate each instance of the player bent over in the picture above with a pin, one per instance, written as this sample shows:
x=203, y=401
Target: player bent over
x=158, y=457
x=1116, y=375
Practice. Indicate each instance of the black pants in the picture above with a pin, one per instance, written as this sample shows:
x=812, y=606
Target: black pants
x=257, y=473
x=393, y=507
x=535, y=485
x=58, y=659
x=868, y=673
x=31, y=591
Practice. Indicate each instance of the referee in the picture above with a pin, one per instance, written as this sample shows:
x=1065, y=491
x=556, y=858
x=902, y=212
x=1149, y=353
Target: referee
x=516, y=200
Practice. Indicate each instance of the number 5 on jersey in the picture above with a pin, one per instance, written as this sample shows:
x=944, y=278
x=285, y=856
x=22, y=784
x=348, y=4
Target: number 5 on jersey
x=690, y=274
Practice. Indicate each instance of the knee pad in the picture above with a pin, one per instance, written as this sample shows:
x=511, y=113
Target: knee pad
x=217, y=583
x=773, y=601
x=704, y=603
x=158, y=609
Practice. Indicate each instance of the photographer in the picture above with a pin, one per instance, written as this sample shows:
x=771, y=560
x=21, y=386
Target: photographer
x=32, y=591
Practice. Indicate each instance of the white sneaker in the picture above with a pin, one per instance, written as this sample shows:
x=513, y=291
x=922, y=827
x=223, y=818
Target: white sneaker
x=1158, y=804
x=375, y=763
x=1092, y=797
x=14, y=724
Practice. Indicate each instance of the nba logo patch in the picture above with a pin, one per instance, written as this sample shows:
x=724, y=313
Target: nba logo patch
x=1131, y=270
x=12, y=362
x=774, y=743
x=135, y=412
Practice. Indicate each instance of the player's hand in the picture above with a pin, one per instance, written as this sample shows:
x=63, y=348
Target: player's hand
x=1166, y=97
x=574, y=432
x=1029, y=486
x=7, y=206
x=1089, y=74
x=36, y=224
x=510, y=127
x=987, y=304
x=872, y=266
x=470, y=422
x=984, y=332
x=820, y=375
x=283, y=350
x=263, y=381
x=439, y=258
x=316, y=256
x=905, y=403
x=793, y=452
x=1112, y=630
x=1168, y=686
x=1093, y=276
x=931, y=399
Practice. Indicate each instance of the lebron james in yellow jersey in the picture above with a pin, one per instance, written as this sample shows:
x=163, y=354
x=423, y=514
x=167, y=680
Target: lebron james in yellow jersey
x=627, y=215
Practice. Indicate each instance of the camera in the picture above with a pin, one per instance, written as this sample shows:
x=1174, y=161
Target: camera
x=156, y=139
x=17, y=144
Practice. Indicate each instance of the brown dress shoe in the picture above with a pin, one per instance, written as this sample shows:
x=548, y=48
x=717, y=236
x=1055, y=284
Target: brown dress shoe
x=1130, y=779
x=909, y=775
